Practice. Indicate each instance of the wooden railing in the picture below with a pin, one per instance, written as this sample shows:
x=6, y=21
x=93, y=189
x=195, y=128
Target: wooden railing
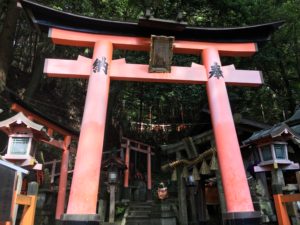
x=280, y=201
x=53, y=165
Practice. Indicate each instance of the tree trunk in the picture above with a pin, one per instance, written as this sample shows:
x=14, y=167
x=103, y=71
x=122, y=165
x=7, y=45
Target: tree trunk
x=6, y=40
x=36, y=77
x=296, y=50
x=284, y=76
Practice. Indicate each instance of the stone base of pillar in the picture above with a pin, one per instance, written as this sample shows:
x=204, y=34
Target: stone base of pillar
x=58, y=222
x=149, y=195
x=126, y=194
x=77, y=219
x=242, y=218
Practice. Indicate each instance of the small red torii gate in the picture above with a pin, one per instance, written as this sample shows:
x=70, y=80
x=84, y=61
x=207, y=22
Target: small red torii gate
x=128, y=145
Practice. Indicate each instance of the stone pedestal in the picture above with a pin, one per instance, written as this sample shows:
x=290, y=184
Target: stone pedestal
x=242, y=218
x=102, y=206
x=126, y=194
x=88, y=219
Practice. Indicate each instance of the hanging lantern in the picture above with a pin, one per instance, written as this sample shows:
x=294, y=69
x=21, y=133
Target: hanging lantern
x=204, y=170
x=214, y=163
x=185, y=173
x=174, y=175
x=195, y=173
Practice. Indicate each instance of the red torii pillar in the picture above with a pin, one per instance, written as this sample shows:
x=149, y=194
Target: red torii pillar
x=99, y=70
x=63, y=179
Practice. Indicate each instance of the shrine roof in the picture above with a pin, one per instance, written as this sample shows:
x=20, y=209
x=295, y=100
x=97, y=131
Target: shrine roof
x=33, y=111
x=278, y=130
x=113, y=161
x=295, y=118
x=21, y=118
x=44, y=17
x=296, y=129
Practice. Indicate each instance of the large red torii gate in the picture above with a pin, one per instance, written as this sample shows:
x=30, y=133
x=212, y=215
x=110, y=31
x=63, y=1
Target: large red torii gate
x=84, y=189
x=92, y=129
x=101, y=69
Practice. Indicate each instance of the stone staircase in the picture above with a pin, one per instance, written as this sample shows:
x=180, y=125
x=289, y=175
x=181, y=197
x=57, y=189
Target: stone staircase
x=149, y=213
x=138, y=213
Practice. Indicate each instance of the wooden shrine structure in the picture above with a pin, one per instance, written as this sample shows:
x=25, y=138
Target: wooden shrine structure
x=104, y=37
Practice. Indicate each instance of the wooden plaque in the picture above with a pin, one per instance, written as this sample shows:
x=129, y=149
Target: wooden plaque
x=161, y=54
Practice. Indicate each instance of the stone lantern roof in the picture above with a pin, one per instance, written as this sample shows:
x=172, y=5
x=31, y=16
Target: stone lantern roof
x=294, y=121
x=287, y=130
x=279, y=132
x=19, y=123
x=114, y=161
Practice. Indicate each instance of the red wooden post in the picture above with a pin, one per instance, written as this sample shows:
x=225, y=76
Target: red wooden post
x=149, y=178
x=282, y=216
x=127, y=160
x=63, y=179
x=127, y=171
x=234, y=179
x=84, y=190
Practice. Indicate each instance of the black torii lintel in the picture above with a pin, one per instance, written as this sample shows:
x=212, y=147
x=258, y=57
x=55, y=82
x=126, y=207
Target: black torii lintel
x=45, y=17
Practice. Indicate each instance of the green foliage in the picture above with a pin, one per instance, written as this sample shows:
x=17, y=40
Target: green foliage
x=120, y=210
x=131, y=102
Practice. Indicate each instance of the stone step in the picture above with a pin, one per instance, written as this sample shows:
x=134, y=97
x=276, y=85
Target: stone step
x=150, y=214
x=138, y=212
x=140, y=207
x=138, y=215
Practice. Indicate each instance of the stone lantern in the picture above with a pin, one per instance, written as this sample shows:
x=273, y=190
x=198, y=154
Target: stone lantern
x=113, y=165
x=272, y=148
x=23, y=136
